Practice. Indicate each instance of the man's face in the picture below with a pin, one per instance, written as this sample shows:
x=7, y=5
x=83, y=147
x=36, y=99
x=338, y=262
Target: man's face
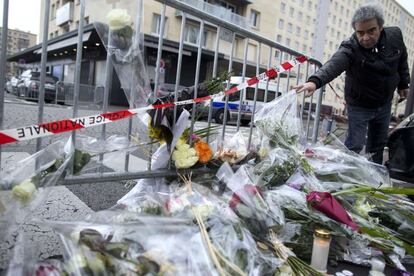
x=368, y=32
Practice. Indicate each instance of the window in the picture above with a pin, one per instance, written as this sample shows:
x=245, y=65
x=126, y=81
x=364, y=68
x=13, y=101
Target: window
x=260, y=94
x=255, y=18
x=277, y=54
x=227, y=6
x=298, y=31
x=52, y=12
x=281, y=23
x=85, y=22
x=290, y=27
x=57, y=7
x=191, y=34
x=234, y=96
x=291, y=11
x=283, y=7
x=287, y=41
x=301, y=3
x=310, y=5
x=307, y=19
x=66, y=28
x=156, y=24
x=300, y=15
x=296, y=45
x=279, y=38
x=306, y=34
x=51, y=35
x=304, y=48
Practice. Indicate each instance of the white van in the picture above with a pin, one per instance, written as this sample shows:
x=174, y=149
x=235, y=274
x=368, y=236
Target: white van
x=247, y=101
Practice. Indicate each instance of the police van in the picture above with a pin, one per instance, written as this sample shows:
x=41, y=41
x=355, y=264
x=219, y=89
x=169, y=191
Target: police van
x=247, y=101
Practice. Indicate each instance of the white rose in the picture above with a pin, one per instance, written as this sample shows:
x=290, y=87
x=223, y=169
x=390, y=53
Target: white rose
x=24, y=191
x=118, y=19
x=184, y=156
x=204, y=210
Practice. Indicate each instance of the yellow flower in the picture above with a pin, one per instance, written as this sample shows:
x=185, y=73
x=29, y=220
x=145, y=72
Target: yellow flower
x=24, y=191
x=118, y=19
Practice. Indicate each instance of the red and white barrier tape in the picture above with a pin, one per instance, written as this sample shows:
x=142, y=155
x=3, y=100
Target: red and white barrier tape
x=56, y=127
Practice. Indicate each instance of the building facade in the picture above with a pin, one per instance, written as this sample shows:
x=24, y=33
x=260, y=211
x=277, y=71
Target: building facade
x=313, y=27
x=17, y=41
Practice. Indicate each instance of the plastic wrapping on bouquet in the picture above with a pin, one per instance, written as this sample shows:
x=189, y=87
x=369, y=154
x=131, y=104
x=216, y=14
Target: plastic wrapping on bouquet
x=124, y=48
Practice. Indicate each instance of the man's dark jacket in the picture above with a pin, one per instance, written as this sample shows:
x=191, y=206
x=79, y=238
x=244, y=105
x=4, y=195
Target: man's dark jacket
x=371, y=74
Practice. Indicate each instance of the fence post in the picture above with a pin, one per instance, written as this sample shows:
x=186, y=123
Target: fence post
x=3, y=61
x=409, y=106
x=57, y=91
x=317, y=115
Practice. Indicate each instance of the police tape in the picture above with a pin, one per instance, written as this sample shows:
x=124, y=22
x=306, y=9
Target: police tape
x=61, y=126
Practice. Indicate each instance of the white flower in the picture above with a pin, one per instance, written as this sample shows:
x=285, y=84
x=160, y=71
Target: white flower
x=204, y=210
x=241, y=152
x=96, y=265
x=75, y=263
x=75, y=234
x=363, y=208
x=285, y=270
x=184, y=156
x=263, y=152
x=118, y=19
x=24, y=191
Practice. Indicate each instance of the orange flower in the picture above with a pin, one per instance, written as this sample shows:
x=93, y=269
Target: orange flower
x=203, y=151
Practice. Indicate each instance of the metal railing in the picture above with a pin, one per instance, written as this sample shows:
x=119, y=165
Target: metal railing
x=89, y=95
x=240, y=35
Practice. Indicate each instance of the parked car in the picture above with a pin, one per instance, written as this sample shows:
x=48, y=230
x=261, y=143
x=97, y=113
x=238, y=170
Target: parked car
x=28, y=87
x=401, y=150
x=11, y=85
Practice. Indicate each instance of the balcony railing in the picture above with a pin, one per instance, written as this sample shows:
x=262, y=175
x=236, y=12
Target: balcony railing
x=218, y=11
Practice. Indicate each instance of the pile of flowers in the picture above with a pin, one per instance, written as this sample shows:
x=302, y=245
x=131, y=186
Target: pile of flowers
x=257, y=218
x=254, y=213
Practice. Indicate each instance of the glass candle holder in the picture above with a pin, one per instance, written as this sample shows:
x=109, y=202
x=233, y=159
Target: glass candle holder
x=320, y=251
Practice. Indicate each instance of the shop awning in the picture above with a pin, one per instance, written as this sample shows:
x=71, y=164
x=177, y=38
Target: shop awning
x=64, y=43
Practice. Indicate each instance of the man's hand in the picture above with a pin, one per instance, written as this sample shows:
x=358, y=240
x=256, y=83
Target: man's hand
x=309, y=87
x=403, y=93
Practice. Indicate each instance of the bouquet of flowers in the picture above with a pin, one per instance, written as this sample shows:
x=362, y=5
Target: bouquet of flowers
x=122, y=43
x=279, y=121
x=138, y=246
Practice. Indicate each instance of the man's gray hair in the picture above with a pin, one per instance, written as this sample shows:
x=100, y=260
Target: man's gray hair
x=368, y=12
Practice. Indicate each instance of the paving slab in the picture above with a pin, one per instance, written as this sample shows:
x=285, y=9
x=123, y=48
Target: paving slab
x=40, y=241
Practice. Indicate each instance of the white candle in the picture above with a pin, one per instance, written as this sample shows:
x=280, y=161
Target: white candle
x=320, y=250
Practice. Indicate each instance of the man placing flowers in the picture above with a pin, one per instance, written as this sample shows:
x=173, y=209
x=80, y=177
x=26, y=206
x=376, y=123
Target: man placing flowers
x=375, y=61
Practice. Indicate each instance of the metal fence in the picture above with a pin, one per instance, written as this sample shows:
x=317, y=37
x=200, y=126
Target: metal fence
x=188, y=9
x=89, y=95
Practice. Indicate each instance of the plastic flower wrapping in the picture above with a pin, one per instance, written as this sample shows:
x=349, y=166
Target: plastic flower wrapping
x=116, y=243
x=123, y=43
x=253, y=213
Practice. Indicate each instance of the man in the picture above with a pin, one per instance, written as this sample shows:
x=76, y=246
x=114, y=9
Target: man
x=375, y=61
